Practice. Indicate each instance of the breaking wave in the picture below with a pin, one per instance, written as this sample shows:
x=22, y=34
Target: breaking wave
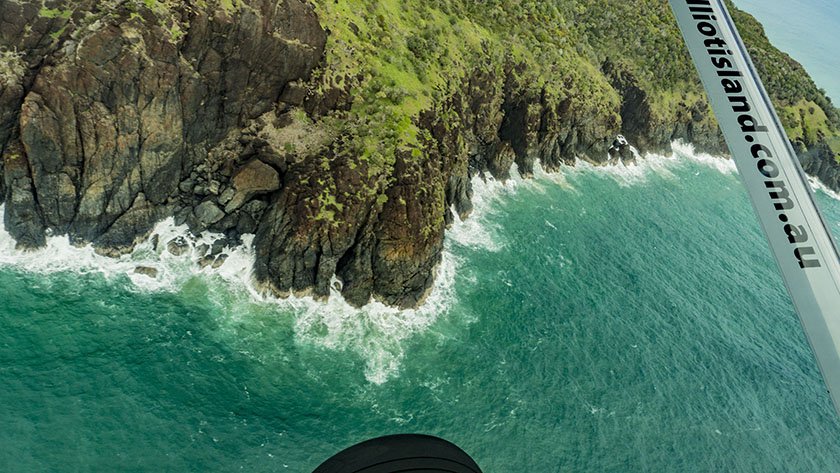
x=818, y=185
x=653, y=164
x=376, y=332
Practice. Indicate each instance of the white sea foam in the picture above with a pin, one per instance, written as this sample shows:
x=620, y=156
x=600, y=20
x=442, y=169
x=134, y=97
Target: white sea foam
x=559, y=178
x=376, y=331
x=625, y=175
x=818, y=185
x=725, y=165
x=476, y=231
x=644, y=167
x=60, y=255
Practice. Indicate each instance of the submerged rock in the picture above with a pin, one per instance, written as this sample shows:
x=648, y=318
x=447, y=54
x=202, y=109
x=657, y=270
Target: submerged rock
x=214, y=262
x=147, y=271
x=206, y=261
x=178, y=246
x=220, y=260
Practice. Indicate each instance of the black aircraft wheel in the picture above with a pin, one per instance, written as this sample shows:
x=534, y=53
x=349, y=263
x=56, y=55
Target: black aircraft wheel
x=403, y=454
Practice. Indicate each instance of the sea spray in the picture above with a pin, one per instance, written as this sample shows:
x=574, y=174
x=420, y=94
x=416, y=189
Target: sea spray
x=648, y=332
x=59, y=255
x=475, y=231
x=685, y=150
x=650, y=164
x=377, y=333
x=374, y=331
x=818, y=185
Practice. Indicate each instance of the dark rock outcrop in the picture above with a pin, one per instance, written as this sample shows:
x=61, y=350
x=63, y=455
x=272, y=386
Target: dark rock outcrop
x=146, y=271
x=820, y=161
x=115, y=115
x=646, y=131
x=120, y=106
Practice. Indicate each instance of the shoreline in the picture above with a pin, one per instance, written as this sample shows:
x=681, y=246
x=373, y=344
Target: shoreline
x=61, y=255
x=375, y=331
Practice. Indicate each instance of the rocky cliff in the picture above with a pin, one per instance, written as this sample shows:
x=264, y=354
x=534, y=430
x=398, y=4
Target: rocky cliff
x=342, y=134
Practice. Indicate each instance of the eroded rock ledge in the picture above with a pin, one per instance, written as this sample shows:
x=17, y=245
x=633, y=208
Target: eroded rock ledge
x=114, y=116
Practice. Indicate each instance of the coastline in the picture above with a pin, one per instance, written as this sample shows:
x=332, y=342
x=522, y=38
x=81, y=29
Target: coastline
x=332, y=322
x=353, y=162
x=797, y=27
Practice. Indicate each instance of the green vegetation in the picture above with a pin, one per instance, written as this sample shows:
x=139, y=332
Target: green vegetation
x=805, y=110
x=804, y=120
x=56, y=35
x=55, y=13
x=163, y=10
x=167, y=13
x=12, y=67
x=393, y=57
x=834, y=144
x=398, y=58
x=328, y=205
x=230, y=6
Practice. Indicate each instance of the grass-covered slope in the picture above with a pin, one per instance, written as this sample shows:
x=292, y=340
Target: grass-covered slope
x=399, y=58
x=426, y=93
x=343, y=133
x=808, y=114
x=402, y=56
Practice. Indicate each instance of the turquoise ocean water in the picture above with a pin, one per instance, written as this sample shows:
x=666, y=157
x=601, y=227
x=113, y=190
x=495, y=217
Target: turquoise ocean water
x=809, y=30
x=616, y=319
x=613, y=319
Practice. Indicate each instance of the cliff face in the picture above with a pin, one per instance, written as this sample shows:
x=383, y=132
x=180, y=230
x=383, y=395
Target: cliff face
x=342, y=135
x=116, y=107
x=811, y=120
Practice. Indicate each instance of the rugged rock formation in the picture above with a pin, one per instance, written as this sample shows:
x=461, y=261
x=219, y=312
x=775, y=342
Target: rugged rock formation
x=639, y=125
x=116, y=114
x=819, y=161
x=118, y=106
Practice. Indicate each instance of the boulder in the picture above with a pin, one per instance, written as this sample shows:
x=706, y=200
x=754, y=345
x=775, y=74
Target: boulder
x=254, y=178
x=220, y=260
x=206, y=261
x=208, y=213
x=218, y=246
x=108, y=113
x=213, y=261
x=178, y=246
x=146, y=271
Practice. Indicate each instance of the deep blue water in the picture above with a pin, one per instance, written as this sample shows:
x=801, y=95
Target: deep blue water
x=609, y=320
